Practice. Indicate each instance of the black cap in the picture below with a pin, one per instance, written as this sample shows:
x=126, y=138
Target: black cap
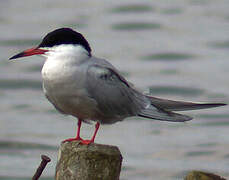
x=65, y=36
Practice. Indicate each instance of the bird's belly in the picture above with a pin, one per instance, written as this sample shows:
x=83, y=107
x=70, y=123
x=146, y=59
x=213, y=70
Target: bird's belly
x=80, y=105
x=65, y=89
x=77, y=104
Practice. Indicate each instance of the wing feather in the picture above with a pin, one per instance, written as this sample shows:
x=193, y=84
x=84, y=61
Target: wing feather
x=171, y=105
x=112, y=92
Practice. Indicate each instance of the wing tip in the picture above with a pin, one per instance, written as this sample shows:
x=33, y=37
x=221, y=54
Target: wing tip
x=188, y=118
x=163, y=115
x=219, y=104
x=212, y=105
x=181, y=118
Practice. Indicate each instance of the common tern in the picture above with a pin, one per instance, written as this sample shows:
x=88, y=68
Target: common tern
x=92, y=89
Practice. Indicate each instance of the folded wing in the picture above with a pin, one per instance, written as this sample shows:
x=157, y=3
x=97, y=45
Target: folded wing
x=116, y=98
x=171, y=105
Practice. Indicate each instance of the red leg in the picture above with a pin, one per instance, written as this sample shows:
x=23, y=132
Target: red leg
x=77, y=138
x=78, y=130
x=93, y=137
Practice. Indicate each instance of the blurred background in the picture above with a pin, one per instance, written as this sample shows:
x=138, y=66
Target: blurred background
x=173, y=49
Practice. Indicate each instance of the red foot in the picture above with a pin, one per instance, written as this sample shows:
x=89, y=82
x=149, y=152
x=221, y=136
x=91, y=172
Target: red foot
x=86, y=142
x=78, y=138
x=72, y=139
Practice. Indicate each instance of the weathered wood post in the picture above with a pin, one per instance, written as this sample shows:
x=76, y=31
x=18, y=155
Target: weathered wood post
x=200, y=175
x=88, y=162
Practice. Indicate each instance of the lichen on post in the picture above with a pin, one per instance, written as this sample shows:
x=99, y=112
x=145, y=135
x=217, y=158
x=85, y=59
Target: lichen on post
x=88, y=162
x=200, y=175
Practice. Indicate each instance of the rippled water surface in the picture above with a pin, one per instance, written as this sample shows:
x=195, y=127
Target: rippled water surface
x=172, y=49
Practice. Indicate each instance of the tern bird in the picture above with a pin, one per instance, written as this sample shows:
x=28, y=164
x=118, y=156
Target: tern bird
x=91, y=89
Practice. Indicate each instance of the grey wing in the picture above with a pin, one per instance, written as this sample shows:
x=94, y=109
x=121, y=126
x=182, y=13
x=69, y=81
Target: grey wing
x=165, y=106
x=171, y=105
x=117, y=98
x=113, y=94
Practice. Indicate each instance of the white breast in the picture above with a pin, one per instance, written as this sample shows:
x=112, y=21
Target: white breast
x=64, y=79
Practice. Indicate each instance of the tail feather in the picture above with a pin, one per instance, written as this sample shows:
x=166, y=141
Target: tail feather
x=163, y=115
x=170, y=105
x=161, y=109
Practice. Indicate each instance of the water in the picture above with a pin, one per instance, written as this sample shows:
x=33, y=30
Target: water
x=173, y=49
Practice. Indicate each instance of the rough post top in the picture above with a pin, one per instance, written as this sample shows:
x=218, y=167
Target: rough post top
x=102, y=148
x=88, y=162
x=200, y=175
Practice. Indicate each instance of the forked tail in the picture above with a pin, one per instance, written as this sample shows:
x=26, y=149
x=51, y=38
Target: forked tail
x=160, y=109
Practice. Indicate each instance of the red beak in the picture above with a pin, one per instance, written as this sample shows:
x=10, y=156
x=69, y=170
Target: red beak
x=29, y=52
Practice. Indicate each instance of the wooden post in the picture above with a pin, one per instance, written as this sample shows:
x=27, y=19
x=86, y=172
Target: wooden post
x=88, y=162
x=200, y=175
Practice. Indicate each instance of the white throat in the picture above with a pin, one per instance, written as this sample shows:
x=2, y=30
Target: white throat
x=62, y=60
x=65, y=52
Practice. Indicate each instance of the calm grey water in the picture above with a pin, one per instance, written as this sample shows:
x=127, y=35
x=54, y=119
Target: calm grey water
x=173, y=49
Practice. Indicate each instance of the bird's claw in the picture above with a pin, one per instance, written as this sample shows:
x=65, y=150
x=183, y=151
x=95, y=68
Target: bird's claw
x=73, y=139
x=86, y=142
x=82, y=141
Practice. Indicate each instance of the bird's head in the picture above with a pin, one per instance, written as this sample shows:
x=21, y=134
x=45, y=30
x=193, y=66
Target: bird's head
x=55, y=39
